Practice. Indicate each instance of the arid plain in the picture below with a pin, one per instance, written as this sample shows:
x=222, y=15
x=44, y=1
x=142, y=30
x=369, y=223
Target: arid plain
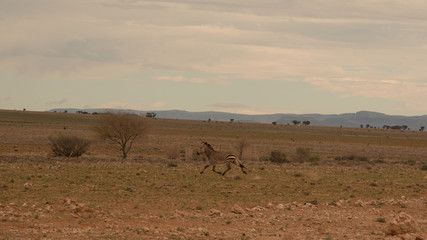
x=350, y=183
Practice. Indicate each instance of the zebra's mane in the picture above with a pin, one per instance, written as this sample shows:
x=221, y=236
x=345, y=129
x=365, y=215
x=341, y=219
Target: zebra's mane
x=209, y=146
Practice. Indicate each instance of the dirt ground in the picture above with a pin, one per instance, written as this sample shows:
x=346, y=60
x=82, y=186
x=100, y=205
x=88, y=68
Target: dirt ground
x=360, y=220
x=158, y=193
x=34, y=206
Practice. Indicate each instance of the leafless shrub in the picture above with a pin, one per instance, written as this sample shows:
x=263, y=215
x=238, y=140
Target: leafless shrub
x=351, y=157
x=122, y=129
x=173, y=151
x=278, y=157
x=305, y=155
x=68, y=146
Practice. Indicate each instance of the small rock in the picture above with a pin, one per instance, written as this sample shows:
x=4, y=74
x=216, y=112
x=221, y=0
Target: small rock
x=237, y=209
x=308, y=205
x=403, y=223
x=314, y=202
x=360, y=203
x=257, y=208
x=68, y=201
x=340, y=203
x=49, y=208
x=280, y=206
x=179, y=214
x=27, y=186
x=215, y=212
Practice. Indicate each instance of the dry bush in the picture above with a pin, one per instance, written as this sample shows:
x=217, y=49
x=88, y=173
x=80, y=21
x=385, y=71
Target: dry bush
x=68, y=146
x=305, y=155
x=278, y=157
x=121, y=129
x=173, y=151
x=242, y=145
x=351, y=157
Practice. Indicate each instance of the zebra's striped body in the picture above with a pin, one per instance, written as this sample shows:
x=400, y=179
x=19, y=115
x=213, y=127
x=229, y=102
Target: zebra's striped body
x=215, y=158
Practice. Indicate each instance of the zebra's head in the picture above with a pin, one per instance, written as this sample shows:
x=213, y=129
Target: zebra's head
x=206, y=148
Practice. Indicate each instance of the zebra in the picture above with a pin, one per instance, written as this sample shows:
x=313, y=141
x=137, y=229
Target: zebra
x=215, y=157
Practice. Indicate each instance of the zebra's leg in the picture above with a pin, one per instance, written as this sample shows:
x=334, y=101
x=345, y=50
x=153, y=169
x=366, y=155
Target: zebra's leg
x=226, y=170
x=204, y=168
x=239, y=164
x=243, y=170
x=213, y=169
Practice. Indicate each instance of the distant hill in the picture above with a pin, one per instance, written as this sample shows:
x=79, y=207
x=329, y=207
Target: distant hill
x=374, y=119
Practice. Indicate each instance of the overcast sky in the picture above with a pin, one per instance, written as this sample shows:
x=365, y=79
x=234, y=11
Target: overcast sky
x=270, y=56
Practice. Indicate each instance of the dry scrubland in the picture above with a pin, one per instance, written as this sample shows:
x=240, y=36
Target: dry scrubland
x=353, y=183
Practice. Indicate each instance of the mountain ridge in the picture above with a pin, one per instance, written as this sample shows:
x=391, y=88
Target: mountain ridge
x=373, y=119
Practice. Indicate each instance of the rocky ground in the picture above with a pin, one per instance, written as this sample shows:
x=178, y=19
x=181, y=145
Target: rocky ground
x=359, y=219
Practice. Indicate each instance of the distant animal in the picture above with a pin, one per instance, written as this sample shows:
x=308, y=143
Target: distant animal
x=214, y=157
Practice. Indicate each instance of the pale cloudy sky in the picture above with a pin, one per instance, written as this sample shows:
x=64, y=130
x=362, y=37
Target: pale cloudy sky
x=270, y=56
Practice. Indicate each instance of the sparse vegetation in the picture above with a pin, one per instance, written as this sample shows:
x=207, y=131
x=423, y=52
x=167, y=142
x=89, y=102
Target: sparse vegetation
x=68, y=145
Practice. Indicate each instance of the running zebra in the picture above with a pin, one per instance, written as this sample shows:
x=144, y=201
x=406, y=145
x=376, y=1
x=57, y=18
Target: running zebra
x=214, y=158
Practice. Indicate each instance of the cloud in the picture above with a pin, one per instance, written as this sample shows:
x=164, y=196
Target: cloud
x=218, y=80
x=242, y=108
x=115, y=105
x=228, y=105
x=158, y=105
x=57, y=102
x=356, y=48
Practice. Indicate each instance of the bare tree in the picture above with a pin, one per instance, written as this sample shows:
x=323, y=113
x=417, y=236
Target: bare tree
x=123, y=129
